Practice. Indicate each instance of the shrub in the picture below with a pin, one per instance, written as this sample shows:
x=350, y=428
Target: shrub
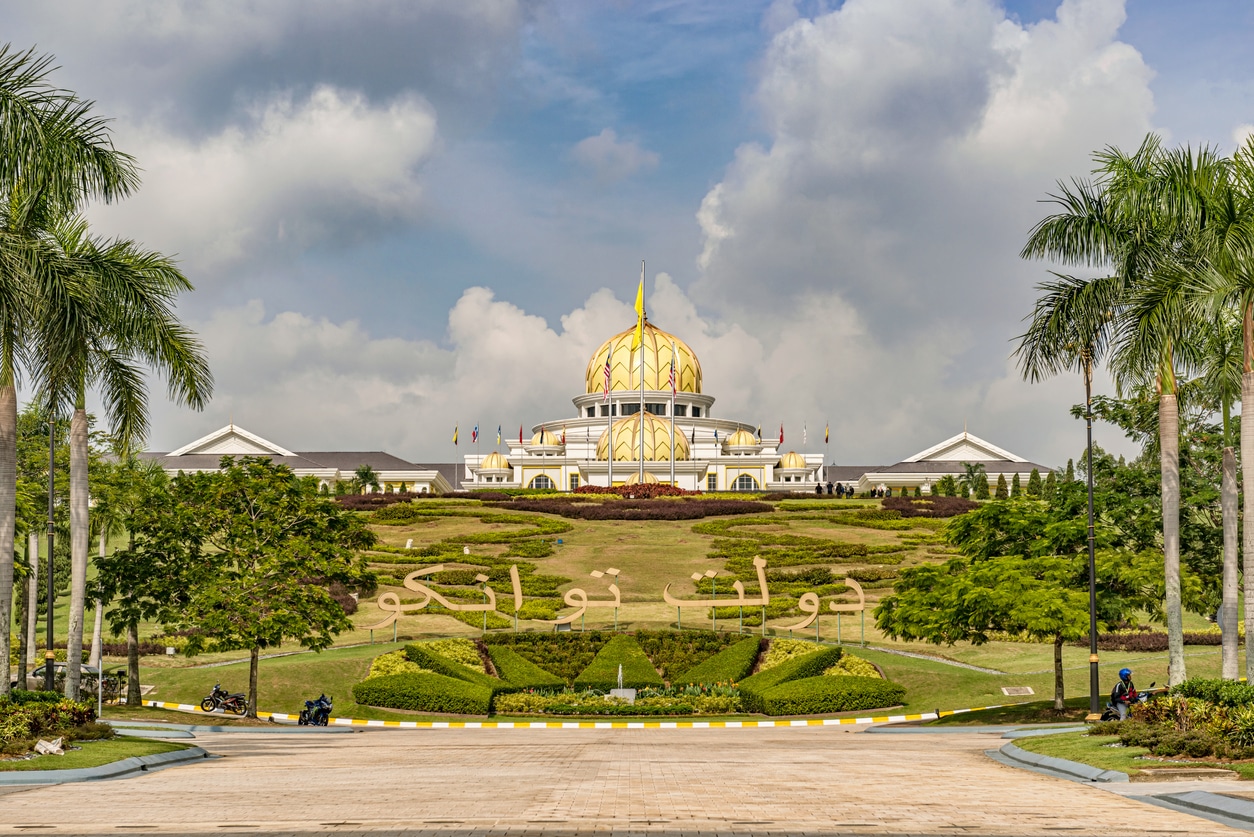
x=521, y=672
x=646, y=490
x=783, y=650
x=642, y=509
x=458, y=649
x=602, y=672
x=439, y=664
x=822, y=695
x=672, y=652
x=934, y=505
x=619, y=709
x=851, y=666
x=731, y=665
x=31, y=717
x=395, y=662
x=565, y=655
x=1220, y=692
x=425, y=692
x=753, y=688
x=1104, y=728
x=1193, y=743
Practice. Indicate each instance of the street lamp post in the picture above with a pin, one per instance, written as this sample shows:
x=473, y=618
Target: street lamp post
x=49, y=655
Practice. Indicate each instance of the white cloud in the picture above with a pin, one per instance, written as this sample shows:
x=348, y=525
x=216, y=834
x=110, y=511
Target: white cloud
x=611, y=159
x=1241, y=134
x=293, y=173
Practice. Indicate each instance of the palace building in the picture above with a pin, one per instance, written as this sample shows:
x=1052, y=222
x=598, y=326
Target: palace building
x=633, y=434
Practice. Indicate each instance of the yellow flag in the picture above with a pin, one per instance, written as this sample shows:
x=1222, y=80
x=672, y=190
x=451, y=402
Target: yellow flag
x=638, y=338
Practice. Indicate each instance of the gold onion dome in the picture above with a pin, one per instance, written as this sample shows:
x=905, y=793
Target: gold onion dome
x=635, y=479
x=741, y=438
x=494, y=462
x=545, y=438
x=657, y=440
x=625, y=364
x=793, y=460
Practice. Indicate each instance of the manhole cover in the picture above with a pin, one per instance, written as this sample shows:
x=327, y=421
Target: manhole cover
x=1013, y=691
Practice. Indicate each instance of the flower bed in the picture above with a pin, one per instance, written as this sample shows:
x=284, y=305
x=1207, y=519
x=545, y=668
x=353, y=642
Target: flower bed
x=641, y=509
x=26, y=717
x=933, y=506
x=823, y=695
x=1197, y=719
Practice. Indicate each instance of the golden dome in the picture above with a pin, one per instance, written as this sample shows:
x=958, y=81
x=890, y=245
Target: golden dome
x=742, y=438
x=625, y=364
x=634, y=479
x=793, y=460
x=494, y=462
x=657, y=440
x=544, y=437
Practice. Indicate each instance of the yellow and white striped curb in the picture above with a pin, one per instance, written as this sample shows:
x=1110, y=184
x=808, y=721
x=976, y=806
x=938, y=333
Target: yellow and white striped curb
x=751, y=724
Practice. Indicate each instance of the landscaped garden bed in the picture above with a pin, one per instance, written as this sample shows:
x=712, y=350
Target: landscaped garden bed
x=26, y=717
x=673, y=672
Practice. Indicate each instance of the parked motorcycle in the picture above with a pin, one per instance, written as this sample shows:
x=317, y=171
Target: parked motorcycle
x=316, y=712
x=1111, y=713
x=219, y=698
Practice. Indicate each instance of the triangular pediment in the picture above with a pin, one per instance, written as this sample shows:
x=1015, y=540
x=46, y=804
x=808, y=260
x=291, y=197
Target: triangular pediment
x=964, y=448
x=232, y=440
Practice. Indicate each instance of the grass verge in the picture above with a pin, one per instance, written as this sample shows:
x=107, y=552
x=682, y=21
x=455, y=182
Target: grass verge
x=94, y=754
x=1035, y=712
x=1095, y=750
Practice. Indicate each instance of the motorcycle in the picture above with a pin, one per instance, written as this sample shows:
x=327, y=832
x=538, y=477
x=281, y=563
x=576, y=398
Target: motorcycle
x=316, y=712
x=219, y=698
x=1111, y=712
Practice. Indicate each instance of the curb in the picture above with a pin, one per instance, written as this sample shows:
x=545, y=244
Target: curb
x=129, y=729
x=1212, y=804
x=753, y=724
x=113, y=770
x=1073, y=770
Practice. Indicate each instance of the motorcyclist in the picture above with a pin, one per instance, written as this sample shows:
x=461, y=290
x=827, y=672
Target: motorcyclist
x=1124, y=693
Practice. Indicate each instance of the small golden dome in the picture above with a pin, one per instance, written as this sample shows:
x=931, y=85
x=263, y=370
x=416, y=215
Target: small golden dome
x=741, y=438
x=793, y=461
x=634, y=479
x=545, y=438
x=657, y=440
x=494, y=462
x=625, y=364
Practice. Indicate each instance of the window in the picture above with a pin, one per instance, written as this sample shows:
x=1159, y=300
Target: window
x=630, y=409
x=681, y=410
x=711, y=482
x=542, y=481
x=590, y=412
x=744, y=482
x=656, y=409
x=696, y=412
x=574, y=481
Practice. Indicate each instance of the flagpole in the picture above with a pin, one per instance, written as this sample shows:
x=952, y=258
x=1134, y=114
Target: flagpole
x=673, y=382
x=643, y=317
x=609, y=424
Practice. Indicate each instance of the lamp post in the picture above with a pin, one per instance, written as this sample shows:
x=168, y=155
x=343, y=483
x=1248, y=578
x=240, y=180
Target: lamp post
x=49, y=655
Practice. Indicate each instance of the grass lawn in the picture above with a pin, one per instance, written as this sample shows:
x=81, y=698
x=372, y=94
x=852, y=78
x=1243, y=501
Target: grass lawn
x=1094, y=750
x=1036, y=712
x=94, y=754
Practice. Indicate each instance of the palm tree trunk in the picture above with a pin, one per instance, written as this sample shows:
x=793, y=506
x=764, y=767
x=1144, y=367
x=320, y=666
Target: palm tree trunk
x=132, y=665
x=1060, y=699
x=253, y=660
x=8, y=520
x=32, y=616
x=1247, y=477
x=1228, y=611
x=1169, y=443
x=78, y=550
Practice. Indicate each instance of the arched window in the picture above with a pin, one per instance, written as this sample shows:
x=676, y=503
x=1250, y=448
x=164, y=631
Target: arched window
x=542, y=481
x=744, y=482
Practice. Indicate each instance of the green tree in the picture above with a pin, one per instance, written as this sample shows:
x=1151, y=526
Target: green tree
x=54, y=155
x=946, y=486
x=270, y=545
x=981, y=486
x=1050, y=486
x=366, y=477
x=1035, y=489
x=1003, y=490
x=1016, y=488
x=969, y=479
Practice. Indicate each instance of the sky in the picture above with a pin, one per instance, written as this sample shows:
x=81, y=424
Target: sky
x=404, y=216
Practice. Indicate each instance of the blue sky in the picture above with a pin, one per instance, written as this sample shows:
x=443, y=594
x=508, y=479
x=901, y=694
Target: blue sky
x=404, y=215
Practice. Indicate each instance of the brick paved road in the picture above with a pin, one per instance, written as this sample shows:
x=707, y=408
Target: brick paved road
x=481, y=782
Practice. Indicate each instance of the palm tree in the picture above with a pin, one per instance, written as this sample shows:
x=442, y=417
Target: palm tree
x=366, y=477
x=54, y=153
x=972, y=473
x=104, y=315
x=1070, y=331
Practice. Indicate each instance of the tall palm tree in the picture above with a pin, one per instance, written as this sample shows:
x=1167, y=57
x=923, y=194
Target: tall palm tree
x=54, y=153
x=105, y=314
x=1070, y=330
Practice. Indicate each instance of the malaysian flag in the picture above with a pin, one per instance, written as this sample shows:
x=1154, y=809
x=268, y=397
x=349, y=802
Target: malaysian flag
x=607, y=377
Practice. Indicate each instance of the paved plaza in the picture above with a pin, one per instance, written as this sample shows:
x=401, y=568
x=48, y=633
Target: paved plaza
x=647, y=781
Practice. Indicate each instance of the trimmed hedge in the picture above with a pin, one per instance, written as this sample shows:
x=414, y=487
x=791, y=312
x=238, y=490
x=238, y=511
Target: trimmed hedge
x=823, y=695
x=674, y=652
x=1218, y=692
x=642, y=509
x=427, y=659
x=602, y=673
x=619, y=709
x=521, y=672
x=425, y=692
x=730, y=665
x=565, y=655
x=754, y=688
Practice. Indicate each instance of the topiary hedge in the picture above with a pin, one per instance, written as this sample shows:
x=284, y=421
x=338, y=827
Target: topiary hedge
x=428, y=659
x=822, y=695
x=565, y=655
x=674, y=652
x=602, y=672
x=521, y=672
x=754, y=688
x=730, y=665
x=427, y=692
